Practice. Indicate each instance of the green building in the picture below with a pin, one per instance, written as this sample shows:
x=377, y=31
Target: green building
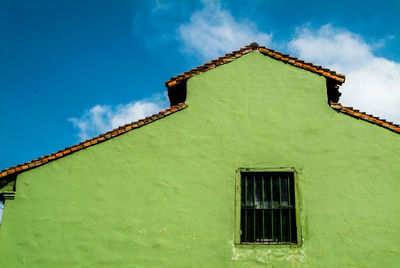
x=256, y=164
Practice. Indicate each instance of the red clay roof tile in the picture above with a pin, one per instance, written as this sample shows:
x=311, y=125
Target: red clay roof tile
x=339, y=78
x=367, y=117
x=103, y=137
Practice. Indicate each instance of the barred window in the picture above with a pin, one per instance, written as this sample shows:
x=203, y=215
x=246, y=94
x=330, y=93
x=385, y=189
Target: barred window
x=267, y=209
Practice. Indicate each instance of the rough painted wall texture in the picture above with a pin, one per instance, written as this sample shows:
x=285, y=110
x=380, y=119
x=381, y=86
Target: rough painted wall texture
x=163, y=195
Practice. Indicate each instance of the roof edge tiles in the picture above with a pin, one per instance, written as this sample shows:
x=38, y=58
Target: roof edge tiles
x=93, y=141
x=366, y=117
x=334, y=78
x=339, y=78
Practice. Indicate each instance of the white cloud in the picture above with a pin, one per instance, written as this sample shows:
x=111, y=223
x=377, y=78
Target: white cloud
x=102, y=118
x=212, y=32
x=372, y=83
x=1, y=210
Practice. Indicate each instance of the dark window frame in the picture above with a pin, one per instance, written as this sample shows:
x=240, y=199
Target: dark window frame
x=239, y=203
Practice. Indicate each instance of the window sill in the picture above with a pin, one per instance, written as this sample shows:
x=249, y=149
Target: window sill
x=268, y=245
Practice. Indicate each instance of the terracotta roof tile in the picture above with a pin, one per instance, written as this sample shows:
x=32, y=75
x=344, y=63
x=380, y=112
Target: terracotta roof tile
x=366, y=117
x=339, y=78
x=74, y=148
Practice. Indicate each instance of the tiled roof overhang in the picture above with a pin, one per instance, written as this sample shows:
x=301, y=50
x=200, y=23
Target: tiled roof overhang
x=366, y=117
x=177, y=85
x=14, y=170
x=339, y=78
x=177, y=93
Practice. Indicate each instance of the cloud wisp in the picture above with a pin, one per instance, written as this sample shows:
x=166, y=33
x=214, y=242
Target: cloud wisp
x=372, y=83
x=102, y=118
x=213, y=31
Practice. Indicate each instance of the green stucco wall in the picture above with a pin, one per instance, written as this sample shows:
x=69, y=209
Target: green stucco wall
x=164, y=195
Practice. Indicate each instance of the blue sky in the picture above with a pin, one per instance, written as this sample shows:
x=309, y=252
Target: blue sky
x=73, y=69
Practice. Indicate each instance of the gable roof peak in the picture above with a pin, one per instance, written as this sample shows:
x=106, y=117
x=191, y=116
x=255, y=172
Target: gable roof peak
x=295, y=62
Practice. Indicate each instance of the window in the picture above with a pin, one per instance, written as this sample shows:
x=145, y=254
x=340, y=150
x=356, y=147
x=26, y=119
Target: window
x=267, y=208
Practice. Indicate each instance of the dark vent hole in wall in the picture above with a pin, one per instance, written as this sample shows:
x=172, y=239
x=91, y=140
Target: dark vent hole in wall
x=333, y=93
x=177, y=93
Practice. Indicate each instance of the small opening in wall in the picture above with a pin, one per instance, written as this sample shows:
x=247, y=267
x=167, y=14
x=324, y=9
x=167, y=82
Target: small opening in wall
x=177, y=93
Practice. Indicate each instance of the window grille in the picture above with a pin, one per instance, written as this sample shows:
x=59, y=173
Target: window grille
x=268, y=214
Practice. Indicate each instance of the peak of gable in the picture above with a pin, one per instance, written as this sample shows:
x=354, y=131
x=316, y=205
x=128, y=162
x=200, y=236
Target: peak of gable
x=177, y=85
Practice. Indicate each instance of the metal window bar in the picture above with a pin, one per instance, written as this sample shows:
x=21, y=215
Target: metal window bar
x=268, y=215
